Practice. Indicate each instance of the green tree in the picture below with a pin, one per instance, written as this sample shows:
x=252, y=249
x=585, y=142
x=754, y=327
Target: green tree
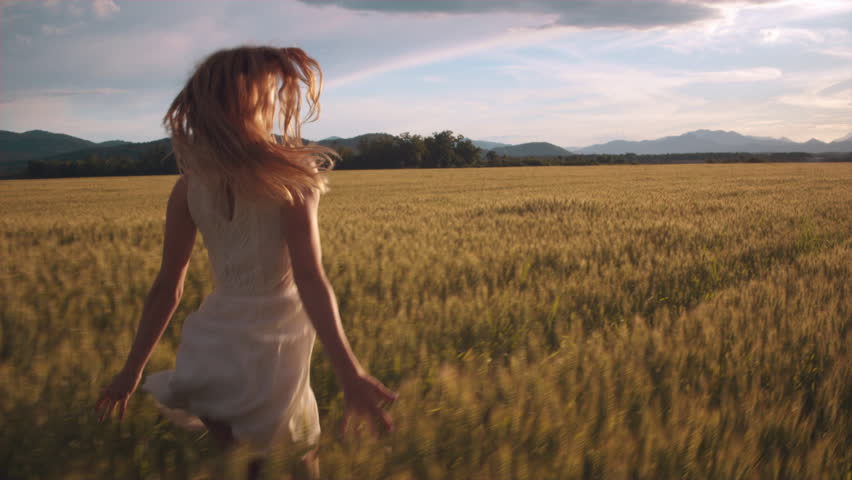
x=412, y=150
x=492, y=157
x=440, y=150
x=466, y=153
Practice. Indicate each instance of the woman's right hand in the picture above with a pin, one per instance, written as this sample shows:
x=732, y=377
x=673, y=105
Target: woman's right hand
x=363, y=394
x=366, y=396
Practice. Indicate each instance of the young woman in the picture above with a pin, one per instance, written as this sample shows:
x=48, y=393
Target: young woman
x=243, y=364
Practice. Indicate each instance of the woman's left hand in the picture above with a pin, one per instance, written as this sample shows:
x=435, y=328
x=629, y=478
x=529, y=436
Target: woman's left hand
x=117, y=393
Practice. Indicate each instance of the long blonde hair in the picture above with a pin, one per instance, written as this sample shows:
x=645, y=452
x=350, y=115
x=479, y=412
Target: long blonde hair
x=215, y=135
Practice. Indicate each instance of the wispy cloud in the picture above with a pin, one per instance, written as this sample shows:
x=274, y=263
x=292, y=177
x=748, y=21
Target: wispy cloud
x=61, y=92
x=23, y=39
x=6, y=4
x=837, y=88
x=59, y=30
x=59, y=111
x=515, y=38
x=569, y=72
x=104, y=8
x=833, y=93
x=817, y=101
x=837, y=52
x=575, y=13
x=75, y=9
x=756, y=74
x=783, y=36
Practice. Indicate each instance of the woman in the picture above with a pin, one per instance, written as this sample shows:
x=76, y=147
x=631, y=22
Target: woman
x=242, y=368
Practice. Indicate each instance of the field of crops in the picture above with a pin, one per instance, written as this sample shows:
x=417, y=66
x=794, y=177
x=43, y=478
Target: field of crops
x=539, y=323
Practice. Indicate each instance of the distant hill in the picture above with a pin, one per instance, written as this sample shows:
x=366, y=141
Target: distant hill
x=113, y=143
x=337, y=142
x=124, y=149
x=17, y=147
x=533, y=149
x=486, y=145
x=717, y=141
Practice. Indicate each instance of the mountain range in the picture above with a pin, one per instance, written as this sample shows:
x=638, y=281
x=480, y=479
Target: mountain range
x=698, y=141
x=718, y=141
x=38, y=143
x=17, y=148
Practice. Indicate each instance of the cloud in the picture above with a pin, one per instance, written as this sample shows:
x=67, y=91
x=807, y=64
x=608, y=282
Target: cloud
x=126, y=55
x=57, y=30
x=600, y=83
x=104, y=8
x=58, y=111
x=829, y=92
x=757, y=74
x=578, y=13
x=4, y=4
x=75, y=9
x=835, y=52
x=579, y=104
x=60, y=92
x=594, y=102
x=811, y=101
x=514, y=38
x=603, y=84
x=24, y=39
x=783, y=36
x=31, y=113
x=837, y=88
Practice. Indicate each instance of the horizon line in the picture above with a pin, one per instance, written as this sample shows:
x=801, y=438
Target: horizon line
x=846, y=137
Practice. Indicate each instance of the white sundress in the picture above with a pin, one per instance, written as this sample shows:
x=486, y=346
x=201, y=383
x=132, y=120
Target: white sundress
x=244, y=356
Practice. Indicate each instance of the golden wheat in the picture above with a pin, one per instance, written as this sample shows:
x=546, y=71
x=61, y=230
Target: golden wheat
x=540, y=323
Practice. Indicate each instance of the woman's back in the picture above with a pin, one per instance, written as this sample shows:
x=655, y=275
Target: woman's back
x=244, y=240
x=243, y=365
x=244, y=356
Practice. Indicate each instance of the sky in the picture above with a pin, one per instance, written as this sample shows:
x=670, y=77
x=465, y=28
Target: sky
x=573, y=73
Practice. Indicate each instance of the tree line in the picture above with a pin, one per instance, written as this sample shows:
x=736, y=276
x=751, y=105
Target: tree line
x=440, y=150
x=155, y=160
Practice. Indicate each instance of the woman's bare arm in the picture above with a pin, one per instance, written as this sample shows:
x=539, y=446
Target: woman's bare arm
x=167, y=289
x=301, y=230
x=161, y=303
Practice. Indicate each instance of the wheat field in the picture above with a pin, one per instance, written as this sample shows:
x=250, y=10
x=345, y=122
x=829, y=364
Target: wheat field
x=613, y=322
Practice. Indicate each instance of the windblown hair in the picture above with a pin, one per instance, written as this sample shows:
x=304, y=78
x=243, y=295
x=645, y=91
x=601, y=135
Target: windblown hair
x=215, y=134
